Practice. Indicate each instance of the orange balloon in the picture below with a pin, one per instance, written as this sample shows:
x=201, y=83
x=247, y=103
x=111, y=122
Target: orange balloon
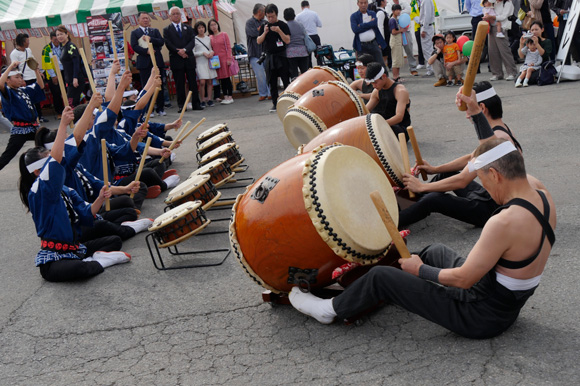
x=556, y=22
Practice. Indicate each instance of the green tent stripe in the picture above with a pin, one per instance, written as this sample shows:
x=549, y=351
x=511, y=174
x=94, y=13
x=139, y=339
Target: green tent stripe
x=21, y=24
x=203, y=2
x=113, y=10
x=145, y=7
x=82, y=16
x=53, y=21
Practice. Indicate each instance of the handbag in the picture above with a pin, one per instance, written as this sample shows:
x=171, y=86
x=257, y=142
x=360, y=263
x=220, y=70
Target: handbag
x=308, y=42
x=214, y=62
x=234, y=67
x=527, y=22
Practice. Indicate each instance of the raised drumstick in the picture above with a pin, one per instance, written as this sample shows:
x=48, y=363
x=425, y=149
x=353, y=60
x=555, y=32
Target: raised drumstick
x=405, y=154
x=89, y=73
x=152, y=54
x=390, y=225
x=142, y=163
x=478, y=44
x=151, y=106
x=192, y=129
x=126, y=49
x=60, y=83
x=174, y=143
x=105, y=170
x=189, y=94
x=113, y=39
x=416, y=150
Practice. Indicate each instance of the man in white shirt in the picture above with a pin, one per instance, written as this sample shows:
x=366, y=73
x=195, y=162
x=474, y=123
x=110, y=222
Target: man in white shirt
x=427, y=23
x=311, y=22
x=21, y=54
x=409, y=36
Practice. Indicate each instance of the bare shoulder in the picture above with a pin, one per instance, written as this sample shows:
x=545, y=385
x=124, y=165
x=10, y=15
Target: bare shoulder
x=401, y=91
x=357, y=84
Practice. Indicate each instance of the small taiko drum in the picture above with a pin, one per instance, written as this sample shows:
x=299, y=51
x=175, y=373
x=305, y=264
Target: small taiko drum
x=213, y=143
x=308, y=216
x=228, y=151
x=179, y=223
x=323, y=107
x=373, y=135
x=193, y=189
x=218, y=170
x=214, y=130
x=304, y=83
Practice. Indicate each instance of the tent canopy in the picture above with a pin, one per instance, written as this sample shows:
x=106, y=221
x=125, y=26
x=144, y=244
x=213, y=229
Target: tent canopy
x=22, y=14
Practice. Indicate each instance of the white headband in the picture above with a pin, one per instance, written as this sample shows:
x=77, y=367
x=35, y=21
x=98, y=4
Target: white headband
x=127, y=94
x=36, y=165
x=357, y=64
x=379, y=75
x=491, y=156
x=49, y=145
x=14, y=72
x=485, y=94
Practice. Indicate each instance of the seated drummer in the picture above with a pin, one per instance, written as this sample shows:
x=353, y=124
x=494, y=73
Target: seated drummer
x=363, y=88
x=477, y=297
x=471, y=203
x=390, y=99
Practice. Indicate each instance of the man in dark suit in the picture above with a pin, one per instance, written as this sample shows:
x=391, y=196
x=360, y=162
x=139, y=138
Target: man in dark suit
x=180, y=40
x=147, y=34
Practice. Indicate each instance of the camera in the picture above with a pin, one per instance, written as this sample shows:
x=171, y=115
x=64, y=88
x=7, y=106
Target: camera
x=527, y=35
x=261, y=58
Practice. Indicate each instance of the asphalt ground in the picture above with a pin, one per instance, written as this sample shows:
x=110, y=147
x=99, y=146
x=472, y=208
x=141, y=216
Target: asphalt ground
x=135, y=325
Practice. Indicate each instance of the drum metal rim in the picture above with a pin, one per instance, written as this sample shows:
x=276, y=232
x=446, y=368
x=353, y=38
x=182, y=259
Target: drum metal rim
x=173, y=214
x=360, y=106
x=235, y=244
x=185, y=237
x=192, y=185
x=210, y=132
x=380, y=151
x=212, y=140
x=319, y=221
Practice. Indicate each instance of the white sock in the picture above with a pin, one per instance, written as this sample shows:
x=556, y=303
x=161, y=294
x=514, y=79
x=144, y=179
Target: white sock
x=172, y=181
x=319, y=309
x=139, y=225
x=107, y=259
x=172, y=157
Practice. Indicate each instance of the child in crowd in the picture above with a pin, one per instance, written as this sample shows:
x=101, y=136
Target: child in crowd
x=396, y=41
x=488, y=9
x=453, y=59
x=532, y=63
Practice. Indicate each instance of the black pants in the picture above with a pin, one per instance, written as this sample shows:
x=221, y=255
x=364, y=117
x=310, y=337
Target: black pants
x=148, y=176
x=124, y=203
x=103, y=228
x=420, y=57
x=227, y=87
x=316, y=40
x=15, y=143
x=73, y=269
x=144, y=74
x=372, y=48
x=273, y=72
x=299, y=63
x=74, y=93
x=56, y=97
x=119, y=215
x=471, y=204
x=179, y=78
x=485, y=310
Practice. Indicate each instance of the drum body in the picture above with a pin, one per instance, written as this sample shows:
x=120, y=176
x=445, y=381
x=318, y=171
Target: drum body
x=179, y=223
x=229, y=151
x=309, y=215
x=304, y=83
x=323, y=107
x=214, y=130
x=213, y=143
x=219, y=172
x=196, y=188
x=373, y=135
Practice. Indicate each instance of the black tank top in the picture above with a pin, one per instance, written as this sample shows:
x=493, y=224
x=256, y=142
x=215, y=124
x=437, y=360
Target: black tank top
x=387, y=106
x=544, y=222
x=509, y=132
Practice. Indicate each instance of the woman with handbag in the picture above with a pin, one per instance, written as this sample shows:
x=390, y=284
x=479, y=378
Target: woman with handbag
x=222, y=47
x=205, y=71
x=296, y=51
x=539, y=10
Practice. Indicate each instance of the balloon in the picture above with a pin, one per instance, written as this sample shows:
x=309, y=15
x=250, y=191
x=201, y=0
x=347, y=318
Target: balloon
x=556, y=22
x=467, y=46
x=461, y=40
x=404, y=20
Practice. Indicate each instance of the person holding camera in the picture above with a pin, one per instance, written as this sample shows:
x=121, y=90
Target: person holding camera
x=275, y=36
x=255, y=50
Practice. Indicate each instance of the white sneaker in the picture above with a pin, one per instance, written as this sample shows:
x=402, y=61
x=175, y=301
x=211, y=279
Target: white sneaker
x=189, y=106
x=172, y=181
x=152, y=114
x=420, y=66
x=494, y=78
x=107, y=259
x=139, y=225
x=518, y=83
x=526, y=82
x=500, y=35
x=162, y=113
x=510, y=78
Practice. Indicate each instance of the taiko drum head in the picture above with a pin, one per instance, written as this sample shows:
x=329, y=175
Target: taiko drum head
x=210, y=144
x=193, y=189
x=228, y=150
x=218, y=170
x=211, y=132
x=179, y=223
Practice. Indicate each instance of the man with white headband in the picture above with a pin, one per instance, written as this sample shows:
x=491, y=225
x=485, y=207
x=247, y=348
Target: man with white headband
x=18, y=102
x=471, y=203
x=479, y=296
x=390, y=99
x=363, y=88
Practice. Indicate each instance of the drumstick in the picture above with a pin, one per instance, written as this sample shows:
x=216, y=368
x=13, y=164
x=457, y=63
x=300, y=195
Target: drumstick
x=189, y=94
x=152, y=54
x=105, y=170
x=405, y=154
x=143, y=157
x=192, y=129
x=478, y=43
x=390, y=225
x=151, y=106
x=126, y=49
x=89, y=73
x=113, y=39
x=60, y=83
x=174, y=143
x=416, y=150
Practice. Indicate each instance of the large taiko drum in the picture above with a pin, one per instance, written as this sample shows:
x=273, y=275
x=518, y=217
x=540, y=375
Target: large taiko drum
x=214, y=130
x=323, y=107
x=229, y=151
x=310, y=215
x=196, y=188
x=213, y=143
x=304, y=83
x=179, y=223
x=373, y=135
x=219, y=172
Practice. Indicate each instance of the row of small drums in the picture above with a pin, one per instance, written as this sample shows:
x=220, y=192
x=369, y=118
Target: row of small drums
x=218, y=156
x=312, y=213
x=315, y=101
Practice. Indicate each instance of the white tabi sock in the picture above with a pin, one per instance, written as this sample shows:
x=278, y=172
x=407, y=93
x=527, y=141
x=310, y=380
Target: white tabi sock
x=139, y=225
x=319, y=309
x=172, y=181
x=107, y=259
